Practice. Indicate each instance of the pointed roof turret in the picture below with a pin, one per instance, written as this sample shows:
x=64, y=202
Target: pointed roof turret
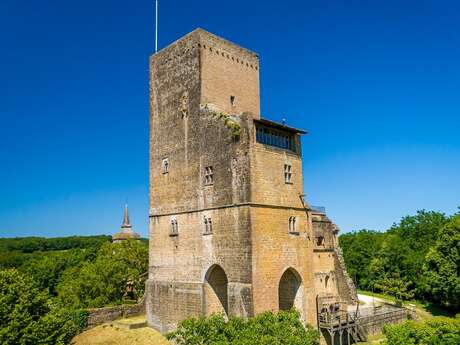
x=127, y=231
x=126, y=223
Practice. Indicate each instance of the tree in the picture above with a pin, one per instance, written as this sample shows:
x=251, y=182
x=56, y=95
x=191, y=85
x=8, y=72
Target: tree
x=104, y=281
x=21, y=304
x=27, y=316
x=396, y=287
x=441, y=271
x=359, y=249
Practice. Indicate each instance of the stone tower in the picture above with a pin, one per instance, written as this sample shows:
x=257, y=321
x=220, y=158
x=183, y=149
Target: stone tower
x=230, y=230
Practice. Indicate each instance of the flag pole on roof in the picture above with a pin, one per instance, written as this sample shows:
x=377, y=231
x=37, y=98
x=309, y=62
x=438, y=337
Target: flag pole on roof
x=156, y=26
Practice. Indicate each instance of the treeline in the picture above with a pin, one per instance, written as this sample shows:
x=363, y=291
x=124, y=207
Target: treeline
x=35, y=244
x=419, y=257
x=44, y=292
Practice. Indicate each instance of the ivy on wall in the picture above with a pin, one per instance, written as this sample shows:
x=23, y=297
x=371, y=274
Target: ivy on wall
x=231, y=124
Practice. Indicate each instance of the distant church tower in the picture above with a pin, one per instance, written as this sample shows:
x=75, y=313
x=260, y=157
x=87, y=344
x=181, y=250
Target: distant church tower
x=230, y=230
x=126, y=230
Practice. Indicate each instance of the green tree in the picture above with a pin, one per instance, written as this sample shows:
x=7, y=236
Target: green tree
x=28, y=318
x=47, y=268
x=359, y=249
x=396, y=287
x=21, y=304
x=441, y=272
x=104, y=280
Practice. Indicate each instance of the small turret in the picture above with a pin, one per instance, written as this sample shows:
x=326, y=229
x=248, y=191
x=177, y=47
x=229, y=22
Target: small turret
x=126, y=231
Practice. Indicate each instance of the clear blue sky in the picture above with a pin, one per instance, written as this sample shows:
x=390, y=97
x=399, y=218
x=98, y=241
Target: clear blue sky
x=376, y=83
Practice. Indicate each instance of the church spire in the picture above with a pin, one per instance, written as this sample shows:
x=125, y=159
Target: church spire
x=126, y=223
x=126, y=231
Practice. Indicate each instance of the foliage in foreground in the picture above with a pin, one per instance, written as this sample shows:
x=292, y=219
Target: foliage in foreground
x=437, y=331
x=265, y=329
x=27, y=316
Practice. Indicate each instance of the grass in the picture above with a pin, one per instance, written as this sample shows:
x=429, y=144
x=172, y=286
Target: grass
x=374, y=339
x=106, y=334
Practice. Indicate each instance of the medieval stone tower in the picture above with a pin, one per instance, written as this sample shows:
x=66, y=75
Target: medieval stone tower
x=230, y=230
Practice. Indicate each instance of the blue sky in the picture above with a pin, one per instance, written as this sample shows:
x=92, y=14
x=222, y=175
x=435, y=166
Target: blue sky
x=376, y=83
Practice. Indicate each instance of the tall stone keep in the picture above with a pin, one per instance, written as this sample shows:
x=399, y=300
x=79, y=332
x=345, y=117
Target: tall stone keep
x=230, y=230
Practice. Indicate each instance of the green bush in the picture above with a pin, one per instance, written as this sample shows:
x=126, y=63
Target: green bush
x=27, y=317
x=437, y=331
x=265, y=329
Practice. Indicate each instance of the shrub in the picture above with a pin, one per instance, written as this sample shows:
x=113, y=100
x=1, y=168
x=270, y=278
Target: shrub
x=265, y=329
x=437, y=331
x=26, y=316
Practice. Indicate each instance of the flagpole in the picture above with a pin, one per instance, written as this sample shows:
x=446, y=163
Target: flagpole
x=156, y=26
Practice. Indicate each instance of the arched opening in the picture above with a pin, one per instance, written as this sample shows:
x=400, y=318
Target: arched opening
x=326, y=281
x=289, y=290
x=215, y=291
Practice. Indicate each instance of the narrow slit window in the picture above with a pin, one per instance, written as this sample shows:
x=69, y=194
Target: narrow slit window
x=165, y=166
x=287, y=173
x=292, y=224
x=174, y=227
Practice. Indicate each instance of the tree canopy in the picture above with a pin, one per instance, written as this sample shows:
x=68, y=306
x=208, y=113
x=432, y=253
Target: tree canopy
x=417, y=257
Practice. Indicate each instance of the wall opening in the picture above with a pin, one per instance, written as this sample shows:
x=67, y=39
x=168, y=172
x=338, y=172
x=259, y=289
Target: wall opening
x=215, y=291
x=289, y=290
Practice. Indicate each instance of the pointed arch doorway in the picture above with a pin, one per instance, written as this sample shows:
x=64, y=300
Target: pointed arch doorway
x=215, y=291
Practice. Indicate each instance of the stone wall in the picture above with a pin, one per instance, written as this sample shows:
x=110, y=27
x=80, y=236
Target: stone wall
x=98, y=316
x=346, y=287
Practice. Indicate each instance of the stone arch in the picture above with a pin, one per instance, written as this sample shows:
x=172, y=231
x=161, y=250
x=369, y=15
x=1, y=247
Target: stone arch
x=290, y=291
x=326, y=283
x=215, y=291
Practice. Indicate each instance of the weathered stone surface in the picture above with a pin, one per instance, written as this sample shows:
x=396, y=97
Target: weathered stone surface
x=234, y=239
x=98, y=316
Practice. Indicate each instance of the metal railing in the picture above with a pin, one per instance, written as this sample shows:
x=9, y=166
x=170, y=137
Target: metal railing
x=319, y=209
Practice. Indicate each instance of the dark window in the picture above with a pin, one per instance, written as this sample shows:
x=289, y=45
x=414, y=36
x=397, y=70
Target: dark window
x=207, y=225
x=319, y=240
x=232, y=100
x=208, y=175
x=174, y=227
x=292, y=224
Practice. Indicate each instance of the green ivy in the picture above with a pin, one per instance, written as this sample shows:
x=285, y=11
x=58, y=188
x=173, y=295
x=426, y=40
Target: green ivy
x=232, y=125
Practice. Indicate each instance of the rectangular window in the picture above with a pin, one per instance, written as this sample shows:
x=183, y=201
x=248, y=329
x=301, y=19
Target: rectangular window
x=287, y=173
x=207, y=225
x=174, y=227
x=293, y=225
x=273, y=137
x=208, y=175
x=165, y=166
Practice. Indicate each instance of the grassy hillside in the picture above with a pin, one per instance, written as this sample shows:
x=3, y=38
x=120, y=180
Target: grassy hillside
x=108, y=335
